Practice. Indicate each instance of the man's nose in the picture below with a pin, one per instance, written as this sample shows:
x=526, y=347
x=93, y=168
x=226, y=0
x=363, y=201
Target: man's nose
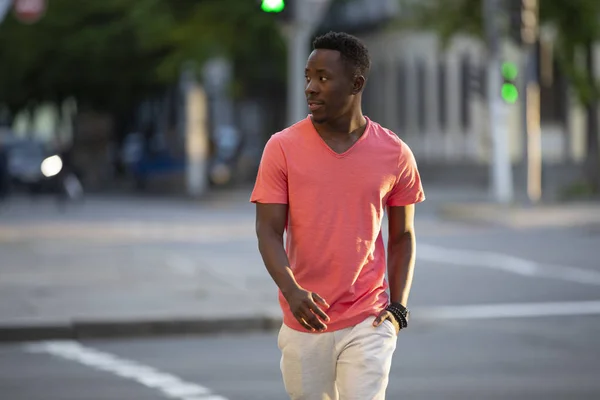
x=311, y=88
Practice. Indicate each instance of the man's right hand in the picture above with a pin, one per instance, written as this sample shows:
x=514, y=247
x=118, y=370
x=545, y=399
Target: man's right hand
x=305, y=307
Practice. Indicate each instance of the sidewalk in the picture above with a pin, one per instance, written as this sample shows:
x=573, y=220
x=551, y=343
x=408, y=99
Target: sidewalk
x=476, y=206
x=521, y=217
x=129, y=267
x=134, y=266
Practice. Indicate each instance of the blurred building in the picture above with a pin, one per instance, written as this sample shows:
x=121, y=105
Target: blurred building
x=435, y=99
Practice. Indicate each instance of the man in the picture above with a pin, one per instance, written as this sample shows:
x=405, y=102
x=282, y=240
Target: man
x=327, y=181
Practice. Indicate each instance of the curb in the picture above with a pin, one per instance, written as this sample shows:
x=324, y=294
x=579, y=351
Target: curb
x=516, y=216
x=144, y=328
x=476, y=213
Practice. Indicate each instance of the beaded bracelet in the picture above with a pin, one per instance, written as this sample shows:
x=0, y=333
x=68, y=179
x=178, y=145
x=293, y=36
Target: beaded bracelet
x=399, y=312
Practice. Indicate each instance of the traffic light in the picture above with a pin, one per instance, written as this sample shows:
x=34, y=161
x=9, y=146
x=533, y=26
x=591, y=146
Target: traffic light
x=273, y=6
x=523, y=16
x=509, y=90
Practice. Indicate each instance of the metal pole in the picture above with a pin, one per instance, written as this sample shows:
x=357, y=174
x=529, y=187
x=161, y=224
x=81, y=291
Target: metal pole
x=534, y=143
x=307, y=16
x=298, y=37
x=500, y=166
x=194, y=121
x=531, y=110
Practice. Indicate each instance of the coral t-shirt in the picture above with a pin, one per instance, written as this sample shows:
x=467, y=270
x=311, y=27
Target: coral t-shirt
x=336, y=204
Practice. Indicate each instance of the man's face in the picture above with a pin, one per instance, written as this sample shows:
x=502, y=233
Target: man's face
x=330, y=87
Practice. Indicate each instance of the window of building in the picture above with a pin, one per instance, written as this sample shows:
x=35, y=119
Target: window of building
x=401, y=95
x=465, y=93
x=553, y=89
x=421, y=96
x=441, y=95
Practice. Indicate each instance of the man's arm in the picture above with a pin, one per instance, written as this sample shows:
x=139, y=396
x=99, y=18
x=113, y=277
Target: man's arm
x=270, y=226
x=401, y=252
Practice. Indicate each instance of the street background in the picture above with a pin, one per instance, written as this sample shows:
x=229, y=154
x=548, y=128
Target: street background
x=130, y=137
x=501, y=308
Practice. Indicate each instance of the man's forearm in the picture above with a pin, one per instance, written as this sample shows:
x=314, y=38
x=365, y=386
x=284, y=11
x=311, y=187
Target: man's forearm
x=401, y=263
x=276, y=261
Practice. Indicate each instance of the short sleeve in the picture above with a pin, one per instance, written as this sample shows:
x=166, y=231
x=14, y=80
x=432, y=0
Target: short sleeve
x=408, y=188
x=271, y=180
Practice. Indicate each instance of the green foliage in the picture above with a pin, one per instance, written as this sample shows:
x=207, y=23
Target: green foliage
x=577, y=25
x=579, y=190
x=446, y=17
x=108, y=54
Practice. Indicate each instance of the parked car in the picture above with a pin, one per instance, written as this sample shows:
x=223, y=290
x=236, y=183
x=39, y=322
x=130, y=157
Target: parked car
x=36, y=167
x=144, y=162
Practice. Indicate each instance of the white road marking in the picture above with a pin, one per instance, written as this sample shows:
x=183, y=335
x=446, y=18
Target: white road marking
x=504, y=262
x=171, y=386
x=509, y=310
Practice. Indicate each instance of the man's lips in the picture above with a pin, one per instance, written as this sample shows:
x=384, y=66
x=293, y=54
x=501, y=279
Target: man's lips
x=314, y=105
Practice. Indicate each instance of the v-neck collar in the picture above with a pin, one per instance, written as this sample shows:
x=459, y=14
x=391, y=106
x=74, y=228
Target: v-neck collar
x=350, y=149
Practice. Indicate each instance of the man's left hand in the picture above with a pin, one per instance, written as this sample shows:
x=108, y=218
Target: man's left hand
x=383, y=315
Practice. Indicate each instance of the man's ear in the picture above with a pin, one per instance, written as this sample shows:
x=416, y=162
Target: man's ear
x=359, y=84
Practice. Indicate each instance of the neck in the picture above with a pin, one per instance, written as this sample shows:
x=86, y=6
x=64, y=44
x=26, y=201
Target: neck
x=344, y=125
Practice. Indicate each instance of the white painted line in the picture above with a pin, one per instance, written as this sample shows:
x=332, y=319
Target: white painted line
x=507, y=263
x=171, y=386
x=508, y=310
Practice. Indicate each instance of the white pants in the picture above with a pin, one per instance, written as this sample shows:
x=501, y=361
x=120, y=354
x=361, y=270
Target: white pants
x=349, y=364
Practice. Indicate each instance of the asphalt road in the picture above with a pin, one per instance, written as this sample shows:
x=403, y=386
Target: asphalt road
x=541, y=358
x=504, y=314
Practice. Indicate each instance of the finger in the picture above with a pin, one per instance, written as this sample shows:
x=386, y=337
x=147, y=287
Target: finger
x=380, y=318
x=317, y=311
x=320, y=300
x=313, y=321
x=305, y=324
x=307, y=318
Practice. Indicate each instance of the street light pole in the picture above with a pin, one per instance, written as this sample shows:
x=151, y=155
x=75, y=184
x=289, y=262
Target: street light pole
x=307, y=15
x=501, y=166
x=298, y=37
x=529, y=35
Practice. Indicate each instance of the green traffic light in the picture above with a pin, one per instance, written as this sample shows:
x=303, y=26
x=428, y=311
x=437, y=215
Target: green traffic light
x=510, y=93
x=273, y=6
x=509, y=70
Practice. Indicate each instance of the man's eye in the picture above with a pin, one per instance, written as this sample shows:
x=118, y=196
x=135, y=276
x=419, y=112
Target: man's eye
x=323, y=78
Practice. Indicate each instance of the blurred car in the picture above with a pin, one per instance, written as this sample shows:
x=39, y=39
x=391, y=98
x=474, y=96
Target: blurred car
x=32, y=165
x=144, y=161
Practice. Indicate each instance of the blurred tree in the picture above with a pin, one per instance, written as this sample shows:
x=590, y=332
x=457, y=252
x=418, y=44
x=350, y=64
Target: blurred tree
x=577, y=27
x=110, y=54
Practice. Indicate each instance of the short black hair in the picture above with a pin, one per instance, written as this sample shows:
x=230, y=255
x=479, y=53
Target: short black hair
x=354, y=52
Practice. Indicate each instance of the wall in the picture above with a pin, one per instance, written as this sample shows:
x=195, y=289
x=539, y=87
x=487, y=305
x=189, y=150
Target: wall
x=429, y=97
